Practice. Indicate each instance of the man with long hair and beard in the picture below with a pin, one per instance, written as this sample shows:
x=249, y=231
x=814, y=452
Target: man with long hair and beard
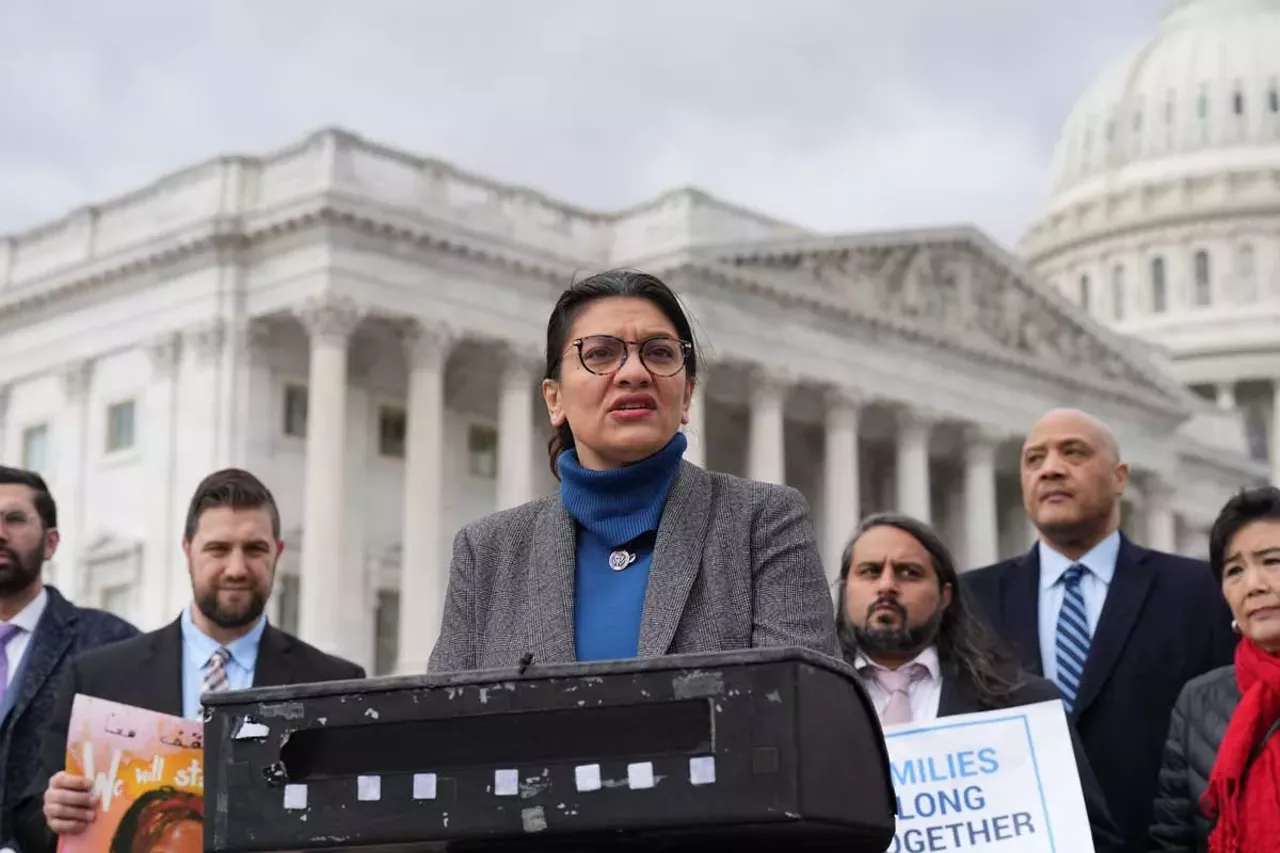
x=39, y=631
x=905, y=626
x=221, y=641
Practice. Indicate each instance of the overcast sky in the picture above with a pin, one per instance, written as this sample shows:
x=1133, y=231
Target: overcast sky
x=836, y=114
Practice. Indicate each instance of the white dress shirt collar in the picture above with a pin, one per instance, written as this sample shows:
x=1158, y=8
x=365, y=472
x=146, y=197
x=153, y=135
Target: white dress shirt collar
x=1100, y=561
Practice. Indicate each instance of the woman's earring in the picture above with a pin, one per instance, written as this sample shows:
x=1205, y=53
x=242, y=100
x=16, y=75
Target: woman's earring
x=1235, y=626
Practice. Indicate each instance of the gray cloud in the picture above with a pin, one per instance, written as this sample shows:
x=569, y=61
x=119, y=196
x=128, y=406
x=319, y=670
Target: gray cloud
x=838, y=114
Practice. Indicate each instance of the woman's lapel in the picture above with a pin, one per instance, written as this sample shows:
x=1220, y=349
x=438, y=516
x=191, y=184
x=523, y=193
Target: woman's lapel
x=677, y=557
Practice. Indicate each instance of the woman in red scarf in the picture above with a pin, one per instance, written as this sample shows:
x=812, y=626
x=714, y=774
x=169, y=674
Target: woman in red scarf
x=1220, y=783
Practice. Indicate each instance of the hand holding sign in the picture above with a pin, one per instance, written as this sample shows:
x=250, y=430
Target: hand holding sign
x=1000, y=780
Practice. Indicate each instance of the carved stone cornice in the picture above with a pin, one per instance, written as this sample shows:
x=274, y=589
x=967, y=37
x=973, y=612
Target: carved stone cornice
x=984, y=436
x=427, y=343
x=260, y=340
x=330, y=319
x=164, y=353
x=216, y=237
x=213, y=237
x=77, y=379
x=523, y=363
x=206, y=340
x=845, y=397
x=916, y=418
x=769, y=381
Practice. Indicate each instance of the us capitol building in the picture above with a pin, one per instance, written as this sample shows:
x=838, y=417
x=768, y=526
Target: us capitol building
x=362, y=327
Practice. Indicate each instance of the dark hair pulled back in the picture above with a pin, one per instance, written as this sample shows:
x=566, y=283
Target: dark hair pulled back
x=575, y=299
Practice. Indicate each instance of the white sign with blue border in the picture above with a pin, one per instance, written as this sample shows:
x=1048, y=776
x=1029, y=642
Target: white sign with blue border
x=998, y=780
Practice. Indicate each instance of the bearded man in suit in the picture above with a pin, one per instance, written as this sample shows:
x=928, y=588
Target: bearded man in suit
x=40, y=632
x=220, y=641
x=905, y=625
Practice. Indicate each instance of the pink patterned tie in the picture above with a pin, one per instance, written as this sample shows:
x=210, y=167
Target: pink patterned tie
x=7, y=633
x=215, y=671
x=897, y=683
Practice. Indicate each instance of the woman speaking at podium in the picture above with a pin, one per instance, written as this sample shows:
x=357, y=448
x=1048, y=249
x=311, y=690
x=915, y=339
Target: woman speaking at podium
x=641, y=553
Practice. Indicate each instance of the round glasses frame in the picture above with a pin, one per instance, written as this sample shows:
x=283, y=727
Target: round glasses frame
x=684, y=347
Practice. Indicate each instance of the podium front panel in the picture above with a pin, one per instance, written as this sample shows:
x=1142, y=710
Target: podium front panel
x=761, y=744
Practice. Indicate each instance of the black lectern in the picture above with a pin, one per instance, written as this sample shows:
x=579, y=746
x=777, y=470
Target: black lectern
x=739, y=751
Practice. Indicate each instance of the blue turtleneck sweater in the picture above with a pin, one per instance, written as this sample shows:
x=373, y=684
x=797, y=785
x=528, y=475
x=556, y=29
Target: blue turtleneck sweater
x=615, y=510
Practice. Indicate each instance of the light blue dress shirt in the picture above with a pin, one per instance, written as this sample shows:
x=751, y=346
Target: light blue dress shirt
x=1094, y=583
x=198, y=647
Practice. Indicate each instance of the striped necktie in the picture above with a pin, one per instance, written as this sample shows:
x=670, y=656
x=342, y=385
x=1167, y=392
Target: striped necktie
x=1072, y=645
x=215, y=671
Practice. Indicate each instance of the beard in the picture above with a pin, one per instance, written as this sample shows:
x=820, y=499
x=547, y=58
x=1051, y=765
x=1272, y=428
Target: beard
x=901, y=639
x=20, y=571
x=231, y=616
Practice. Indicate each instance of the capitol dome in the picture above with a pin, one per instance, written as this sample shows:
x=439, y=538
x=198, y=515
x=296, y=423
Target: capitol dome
x=1201, y=96
x=1163, y=219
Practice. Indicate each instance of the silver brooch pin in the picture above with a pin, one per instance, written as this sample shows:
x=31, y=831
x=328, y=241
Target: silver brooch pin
x=620, y=559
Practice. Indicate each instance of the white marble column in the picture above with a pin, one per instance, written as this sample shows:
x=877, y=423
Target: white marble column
x=72, y=448
x=159, y=423
x=1162, y=528
x=1273, y=450
x=424, y=569
x=326, y=500
x=7, y=456
x=519, y=379
x=766, y=456
x=912, y=469
x=1226, y=394
x=981, y=511
x=196, y=436
x=696, y=430
x=841, y=477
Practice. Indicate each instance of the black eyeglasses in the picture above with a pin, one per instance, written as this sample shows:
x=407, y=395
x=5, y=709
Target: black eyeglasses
x=660, y=355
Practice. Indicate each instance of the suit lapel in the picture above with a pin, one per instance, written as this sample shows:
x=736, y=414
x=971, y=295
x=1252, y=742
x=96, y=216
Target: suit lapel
x=677, y=556
x=1020, y=609
x=53, y=636
x=1125, y=597
x=958, y=695
x=274, y=666
x=161, y=673
x=551, y=585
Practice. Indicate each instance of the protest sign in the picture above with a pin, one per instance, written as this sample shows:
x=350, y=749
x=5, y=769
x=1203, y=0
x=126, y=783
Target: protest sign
x=148, y=772
x=1000, y=780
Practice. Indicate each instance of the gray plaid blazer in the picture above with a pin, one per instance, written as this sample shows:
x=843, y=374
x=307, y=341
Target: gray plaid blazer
x=735, y=566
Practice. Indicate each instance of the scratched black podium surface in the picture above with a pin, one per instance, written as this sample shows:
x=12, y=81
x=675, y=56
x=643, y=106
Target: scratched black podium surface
x=737, y=751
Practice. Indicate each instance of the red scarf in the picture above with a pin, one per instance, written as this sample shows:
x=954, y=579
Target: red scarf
x=1248, y=807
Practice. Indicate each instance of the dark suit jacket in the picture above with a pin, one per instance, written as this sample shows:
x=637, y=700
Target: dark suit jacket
x=146, y=672
x=735, y=566
x=63, y=631
x=1164, y=622
x=960, y=697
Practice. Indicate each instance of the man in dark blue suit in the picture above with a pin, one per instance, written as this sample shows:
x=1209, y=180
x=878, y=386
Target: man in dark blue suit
x=40, y=631
x=1118, y=627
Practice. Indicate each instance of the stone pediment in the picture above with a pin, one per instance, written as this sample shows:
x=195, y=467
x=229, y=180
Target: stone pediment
x=957, y=288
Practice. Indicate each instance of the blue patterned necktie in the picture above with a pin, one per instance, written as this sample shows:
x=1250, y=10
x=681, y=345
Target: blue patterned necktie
x=1073, y=636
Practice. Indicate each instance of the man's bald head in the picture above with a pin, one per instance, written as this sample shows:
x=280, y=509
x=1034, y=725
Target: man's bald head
x=1067, y=420
x=1072, y=479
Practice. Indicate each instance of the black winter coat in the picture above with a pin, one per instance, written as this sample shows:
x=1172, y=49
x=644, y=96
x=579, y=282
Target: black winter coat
x=1196, y=729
